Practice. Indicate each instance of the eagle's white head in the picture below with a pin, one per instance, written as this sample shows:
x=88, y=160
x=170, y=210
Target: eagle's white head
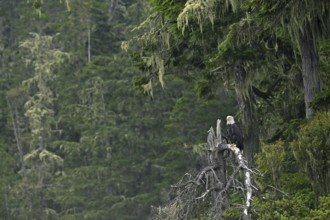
x=230, y=120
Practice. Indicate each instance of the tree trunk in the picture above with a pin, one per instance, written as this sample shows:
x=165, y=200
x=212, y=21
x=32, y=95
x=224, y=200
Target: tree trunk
x=246, y=102
x=89, y=55
x=14, y=118
x=310, y=68
x=218, y=178
x=219, y=200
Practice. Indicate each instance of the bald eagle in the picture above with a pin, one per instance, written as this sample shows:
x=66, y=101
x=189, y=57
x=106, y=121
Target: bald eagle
x=235, y=134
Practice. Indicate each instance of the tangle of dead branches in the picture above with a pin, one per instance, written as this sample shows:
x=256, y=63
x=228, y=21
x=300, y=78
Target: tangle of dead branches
x=206, y=193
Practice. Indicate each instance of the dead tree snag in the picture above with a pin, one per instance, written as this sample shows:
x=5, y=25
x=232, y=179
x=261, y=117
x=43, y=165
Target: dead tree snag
x=207, y=192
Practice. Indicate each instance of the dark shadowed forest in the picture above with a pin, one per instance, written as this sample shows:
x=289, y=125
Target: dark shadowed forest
x=106, y=106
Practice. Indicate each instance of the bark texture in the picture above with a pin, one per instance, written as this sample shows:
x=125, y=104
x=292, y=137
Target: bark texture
x=246, y=102
x=310, y=68
x=217, y=179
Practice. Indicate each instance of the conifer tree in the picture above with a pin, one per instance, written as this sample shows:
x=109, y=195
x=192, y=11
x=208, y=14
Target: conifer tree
x=40, y=163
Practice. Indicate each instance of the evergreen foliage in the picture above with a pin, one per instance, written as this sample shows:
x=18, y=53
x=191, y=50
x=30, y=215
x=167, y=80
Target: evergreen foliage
x=311, y=149
x=106, y=104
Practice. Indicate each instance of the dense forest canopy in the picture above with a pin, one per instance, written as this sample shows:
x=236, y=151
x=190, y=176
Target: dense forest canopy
x=106, y=104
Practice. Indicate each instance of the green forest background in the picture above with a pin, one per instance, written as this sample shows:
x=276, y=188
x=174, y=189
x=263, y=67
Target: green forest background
x=107, y=103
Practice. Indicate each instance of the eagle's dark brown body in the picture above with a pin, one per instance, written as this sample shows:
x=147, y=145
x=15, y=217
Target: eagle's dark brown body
x=235, y=134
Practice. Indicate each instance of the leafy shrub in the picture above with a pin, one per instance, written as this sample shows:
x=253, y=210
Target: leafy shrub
x=312, y=150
